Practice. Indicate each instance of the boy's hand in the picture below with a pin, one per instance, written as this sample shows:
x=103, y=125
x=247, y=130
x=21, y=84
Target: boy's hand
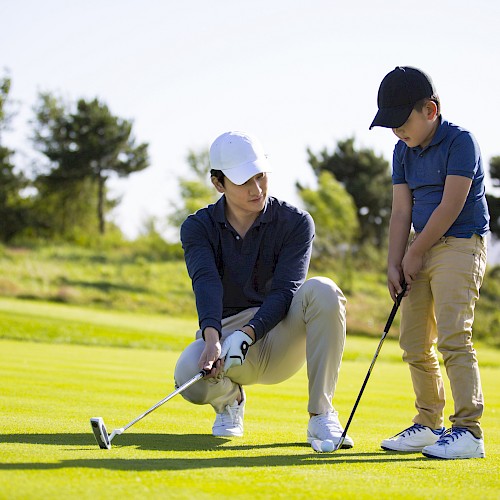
x=412, y=263
x=394, y=279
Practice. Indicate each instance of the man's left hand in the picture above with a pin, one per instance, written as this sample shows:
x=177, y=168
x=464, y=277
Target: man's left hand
x=235, y=348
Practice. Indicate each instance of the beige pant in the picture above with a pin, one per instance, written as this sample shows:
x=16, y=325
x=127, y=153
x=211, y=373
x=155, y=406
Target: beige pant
x=313, y=330
x=440, y=309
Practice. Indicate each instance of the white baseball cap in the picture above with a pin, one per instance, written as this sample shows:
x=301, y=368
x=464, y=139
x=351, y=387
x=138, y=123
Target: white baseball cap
x=240, y=156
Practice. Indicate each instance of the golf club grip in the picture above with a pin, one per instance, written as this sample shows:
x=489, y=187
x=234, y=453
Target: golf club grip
x=395, y=307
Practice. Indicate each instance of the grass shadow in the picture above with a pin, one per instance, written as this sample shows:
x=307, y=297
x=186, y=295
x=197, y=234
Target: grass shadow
x=103, y=286
x=188, y=443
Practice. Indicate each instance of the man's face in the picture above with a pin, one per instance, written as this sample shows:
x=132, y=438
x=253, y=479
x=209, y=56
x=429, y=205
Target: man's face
x=249, y=197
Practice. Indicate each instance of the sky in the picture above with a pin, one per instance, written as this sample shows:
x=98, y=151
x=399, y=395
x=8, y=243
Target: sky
x=297, y=74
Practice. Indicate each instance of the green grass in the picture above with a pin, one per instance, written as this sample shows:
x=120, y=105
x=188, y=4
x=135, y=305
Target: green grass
x=47, y=450
x=86, y=334
x=106, y=279
x=61, y=323
x=117, y=280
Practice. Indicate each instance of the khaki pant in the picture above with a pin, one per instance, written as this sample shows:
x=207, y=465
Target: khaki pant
x=313, y=330
x=440, y=310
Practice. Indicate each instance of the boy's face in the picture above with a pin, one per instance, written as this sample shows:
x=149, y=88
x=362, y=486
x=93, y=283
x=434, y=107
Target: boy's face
x=419, y=129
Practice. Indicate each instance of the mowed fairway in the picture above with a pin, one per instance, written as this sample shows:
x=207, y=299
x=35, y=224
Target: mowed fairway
x=47, y=450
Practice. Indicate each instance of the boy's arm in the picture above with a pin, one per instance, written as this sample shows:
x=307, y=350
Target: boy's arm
x=399, y=230
x=456, y=189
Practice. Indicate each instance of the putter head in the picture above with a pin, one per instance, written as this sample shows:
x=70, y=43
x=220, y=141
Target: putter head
x=116, y=432
x=100, y=433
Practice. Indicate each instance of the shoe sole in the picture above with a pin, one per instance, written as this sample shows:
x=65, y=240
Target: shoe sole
x=346, y=445
x=436, y=457
x=227, y=435
x=408, y=450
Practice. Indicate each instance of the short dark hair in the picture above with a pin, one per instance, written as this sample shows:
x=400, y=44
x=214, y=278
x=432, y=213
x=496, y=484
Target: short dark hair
x=419, y=105
x=218, y=174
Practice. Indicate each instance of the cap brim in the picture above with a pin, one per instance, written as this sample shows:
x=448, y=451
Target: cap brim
x=240, y=174
x=392, y=117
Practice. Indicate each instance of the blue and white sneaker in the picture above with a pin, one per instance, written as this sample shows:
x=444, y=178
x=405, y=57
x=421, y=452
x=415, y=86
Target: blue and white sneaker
x=457, y=442
x=415, y=438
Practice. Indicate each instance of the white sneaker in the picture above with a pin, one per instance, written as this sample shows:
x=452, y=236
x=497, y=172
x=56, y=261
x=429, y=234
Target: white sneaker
x=412, y=439
x=456, y=442
x=229, y=423
x=327, y=426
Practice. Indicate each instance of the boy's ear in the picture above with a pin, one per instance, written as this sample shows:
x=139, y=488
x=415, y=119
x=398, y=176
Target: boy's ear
x=431, y=110
x=217, y=184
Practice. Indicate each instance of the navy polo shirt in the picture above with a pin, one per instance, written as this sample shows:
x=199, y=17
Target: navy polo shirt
x=264, y=269
x=452, y=151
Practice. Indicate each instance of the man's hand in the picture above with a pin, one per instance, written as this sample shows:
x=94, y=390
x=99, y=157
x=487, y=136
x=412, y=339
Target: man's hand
x=235, y=348
x=210, y=359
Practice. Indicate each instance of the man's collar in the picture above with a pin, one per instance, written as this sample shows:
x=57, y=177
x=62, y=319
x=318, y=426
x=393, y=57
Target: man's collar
x=220, y=212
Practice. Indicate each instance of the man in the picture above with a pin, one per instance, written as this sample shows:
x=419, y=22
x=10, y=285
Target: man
x=248, y=256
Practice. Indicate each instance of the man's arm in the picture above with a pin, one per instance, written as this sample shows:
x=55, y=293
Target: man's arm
x=290, y=272
x=202, y=269
x=199, y=253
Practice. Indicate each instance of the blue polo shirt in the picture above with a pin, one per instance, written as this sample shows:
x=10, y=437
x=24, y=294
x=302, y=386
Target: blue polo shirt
x=264, y=269
x=452, y=151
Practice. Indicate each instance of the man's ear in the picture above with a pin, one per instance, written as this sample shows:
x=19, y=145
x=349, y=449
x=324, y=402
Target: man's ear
x=431, y=110
x=218, y=185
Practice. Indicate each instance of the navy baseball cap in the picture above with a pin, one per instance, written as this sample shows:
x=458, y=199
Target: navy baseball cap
x=399, y=91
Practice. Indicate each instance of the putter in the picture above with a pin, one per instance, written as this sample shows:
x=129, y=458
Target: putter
x=395, y=308
x=99, y=429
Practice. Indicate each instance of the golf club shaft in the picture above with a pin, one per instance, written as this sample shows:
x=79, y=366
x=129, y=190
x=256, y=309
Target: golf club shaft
x=184, y=386
x=395, y=308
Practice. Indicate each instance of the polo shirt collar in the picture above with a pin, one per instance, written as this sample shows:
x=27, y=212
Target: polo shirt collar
x=440, y=132
x=439, y=135
x=265, y=216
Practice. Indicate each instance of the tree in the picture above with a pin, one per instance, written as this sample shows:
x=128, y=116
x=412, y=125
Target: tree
x=366, y=177
x=13, y=212
x=85, y=144
x=493, y=201
x=334, y=214
x=195, y=192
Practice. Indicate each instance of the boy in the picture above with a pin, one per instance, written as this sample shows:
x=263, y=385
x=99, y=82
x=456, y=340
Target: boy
x=247, y=256
x=438, y=186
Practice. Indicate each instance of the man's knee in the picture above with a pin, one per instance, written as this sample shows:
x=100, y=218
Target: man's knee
x=197, y=393
x=326, y=292
x=323, y=288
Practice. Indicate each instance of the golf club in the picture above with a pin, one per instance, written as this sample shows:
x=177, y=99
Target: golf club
x=99, y=429
x=395, y=308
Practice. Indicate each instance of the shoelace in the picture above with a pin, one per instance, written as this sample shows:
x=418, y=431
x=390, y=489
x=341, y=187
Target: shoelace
x=229, y=417
x=329, y=423
x=451, y=435
x=411, y=430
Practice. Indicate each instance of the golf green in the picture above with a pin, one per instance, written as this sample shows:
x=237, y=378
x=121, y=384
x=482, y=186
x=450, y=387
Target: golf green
x=47, y=449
